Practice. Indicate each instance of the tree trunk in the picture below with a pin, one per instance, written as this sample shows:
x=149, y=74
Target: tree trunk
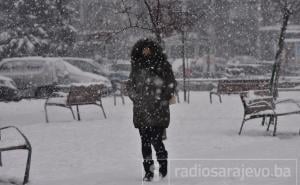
x=277, y=63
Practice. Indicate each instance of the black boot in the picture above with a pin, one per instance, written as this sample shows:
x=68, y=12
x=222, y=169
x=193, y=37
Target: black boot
x=149, y=170
x=163, y=168
x=163, y=163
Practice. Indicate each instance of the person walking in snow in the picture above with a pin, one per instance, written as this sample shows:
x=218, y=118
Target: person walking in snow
x=150, y=86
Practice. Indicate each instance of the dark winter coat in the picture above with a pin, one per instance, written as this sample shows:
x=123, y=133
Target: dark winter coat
x=151, y=85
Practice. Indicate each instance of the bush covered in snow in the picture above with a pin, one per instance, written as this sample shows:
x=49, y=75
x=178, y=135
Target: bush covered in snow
x=31, y=27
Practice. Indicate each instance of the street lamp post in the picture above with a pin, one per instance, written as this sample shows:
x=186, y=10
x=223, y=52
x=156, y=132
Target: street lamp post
x=183, y=51
x=183, y=64
x=212, y=39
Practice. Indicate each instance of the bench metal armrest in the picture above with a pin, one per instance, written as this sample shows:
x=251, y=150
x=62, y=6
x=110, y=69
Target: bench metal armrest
x=27, y=143
x=26, y=146
x=288, y=101
x=214, y=90
x=59, y=91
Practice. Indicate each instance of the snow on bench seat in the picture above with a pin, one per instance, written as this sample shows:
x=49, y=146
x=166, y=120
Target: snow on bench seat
x=57, y=101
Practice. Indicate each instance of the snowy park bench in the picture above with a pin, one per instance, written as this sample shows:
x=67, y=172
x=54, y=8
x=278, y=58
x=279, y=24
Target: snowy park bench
x=75, y=95
x=228, y=87
x=15, y=144
x=265, y=106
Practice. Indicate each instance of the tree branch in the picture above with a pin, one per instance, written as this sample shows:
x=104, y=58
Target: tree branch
x=296, y=6
x=158, y=11
x=126, y=12
x=154, y=24
x=150, y=12
x=125, y=29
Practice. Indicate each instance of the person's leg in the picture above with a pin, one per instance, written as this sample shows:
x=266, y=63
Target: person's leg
x=161, y=152
x=148, y=163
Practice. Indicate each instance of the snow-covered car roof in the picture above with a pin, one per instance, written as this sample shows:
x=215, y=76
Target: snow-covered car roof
x=78, y=58
x=45, y=59
x=87, y=76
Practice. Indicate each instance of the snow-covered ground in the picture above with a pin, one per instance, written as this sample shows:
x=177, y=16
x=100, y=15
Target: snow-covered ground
x=98, y=151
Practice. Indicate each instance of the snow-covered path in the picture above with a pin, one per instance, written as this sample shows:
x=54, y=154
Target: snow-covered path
x=98, y=151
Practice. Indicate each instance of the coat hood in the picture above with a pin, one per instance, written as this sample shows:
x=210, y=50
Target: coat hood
x=156, y=59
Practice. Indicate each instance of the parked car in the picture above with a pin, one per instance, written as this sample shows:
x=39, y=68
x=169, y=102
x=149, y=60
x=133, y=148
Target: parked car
x=117, y=76
x=36, y=76
x=247, y=70
x=87, y=65
x=120, y=70
x=244, y=59
x=8, y=90
x=247, y=66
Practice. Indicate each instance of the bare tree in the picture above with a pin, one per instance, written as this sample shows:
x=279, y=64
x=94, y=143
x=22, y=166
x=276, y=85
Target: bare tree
x=288, y=8
x=159, y=17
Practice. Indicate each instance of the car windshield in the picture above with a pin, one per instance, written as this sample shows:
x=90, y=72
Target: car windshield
x=121, y=67
x=84, y=65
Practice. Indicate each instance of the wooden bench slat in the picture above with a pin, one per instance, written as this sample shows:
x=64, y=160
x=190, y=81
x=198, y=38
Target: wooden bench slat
x=239, y=87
